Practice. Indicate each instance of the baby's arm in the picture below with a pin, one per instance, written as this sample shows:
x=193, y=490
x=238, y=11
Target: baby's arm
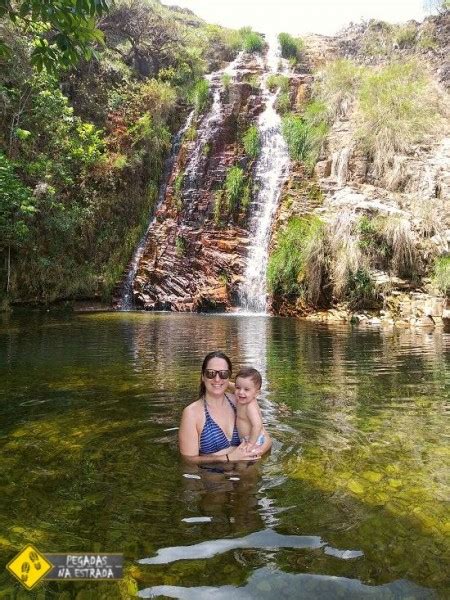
x=256, y=424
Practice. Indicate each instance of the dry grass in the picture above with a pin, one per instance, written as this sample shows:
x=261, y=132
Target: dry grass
x=403, y=240
x=345, y=252
x=397, y=107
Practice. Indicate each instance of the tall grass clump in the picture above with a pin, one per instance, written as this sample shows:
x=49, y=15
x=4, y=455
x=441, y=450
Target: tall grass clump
x=345, y=252
x=337, y=84
x=252, y=142
x=251, y=41
x=291, y=48
x=297, y=265
x=441, y=274
x=396, y=108
x=402, y=240
x=200, y=94
x=304, y=137
x=276, y=80
x=234, y=187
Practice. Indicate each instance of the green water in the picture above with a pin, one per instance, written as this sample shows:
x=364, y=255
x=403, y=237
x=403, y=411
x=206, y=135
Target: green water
x=350, y=503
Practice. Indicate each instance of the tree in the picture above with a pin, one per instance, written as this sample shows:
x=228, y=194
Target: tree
x=64, y=30
x=436, y=6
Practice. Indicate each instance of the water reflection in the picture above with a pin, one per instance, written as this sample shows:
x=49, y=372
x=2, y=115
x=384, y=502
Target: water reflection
x=89, y=409
x=265, y=583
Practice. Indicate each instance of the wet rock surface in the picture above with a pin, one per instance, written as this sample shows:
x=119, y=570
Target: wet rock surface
x=193, y=259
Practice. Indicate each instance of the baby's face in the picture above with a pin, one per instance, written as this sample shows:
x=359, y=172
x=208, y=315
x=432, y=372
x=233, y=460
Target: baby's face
x=246, y=390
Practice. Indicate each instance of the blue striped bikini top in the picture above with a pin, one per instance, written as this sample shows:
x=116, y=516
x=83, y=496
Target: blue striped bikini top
x=213, y=438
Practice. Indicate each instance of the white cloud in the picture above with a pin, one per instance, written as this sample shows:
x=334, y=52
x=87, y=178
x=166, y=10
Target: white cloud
x=297, y=17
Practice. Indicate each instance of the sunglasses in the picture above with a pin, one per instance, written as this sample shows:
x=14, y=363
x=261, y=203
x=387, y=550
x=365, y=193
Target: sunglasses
x=211, y=373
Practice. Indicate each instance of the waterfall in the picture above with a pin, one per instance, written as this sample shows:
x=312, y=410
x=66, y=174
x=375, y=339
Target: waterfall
x=339, y=165
x=205, y=133
x=210, y=123
x=126, y=300
x=270, y=172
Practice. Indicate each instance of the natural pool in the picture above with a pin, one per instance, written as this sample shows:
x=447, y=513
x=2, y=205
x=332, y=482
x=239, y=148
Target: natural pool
x=350, y=503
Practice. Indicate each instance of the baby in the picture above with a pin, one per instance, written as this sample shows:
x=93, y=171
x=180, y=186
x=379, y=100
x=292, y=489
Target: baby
x=248, y=416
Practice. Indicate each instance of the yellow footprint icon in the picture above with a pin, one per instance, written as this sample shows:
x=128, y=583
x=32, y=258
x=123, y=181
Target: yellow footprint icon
x=25, y=571
x=35, y=560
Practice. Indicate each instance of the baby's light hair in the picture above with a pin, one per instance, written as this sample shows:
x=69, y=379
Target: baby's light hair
x=251, y=373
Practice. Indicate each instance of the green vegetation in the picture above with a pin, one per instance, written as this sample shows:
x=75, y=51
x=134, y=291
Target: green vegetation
x=297, y=265
x=226, y=81
x=252, y=79
x=191, y=133
x=337, y=84
x=84, y=146
x=178, y=189
x=58, y=40
x=234, y=187
x=291, y=48
x=252, y=142
x=393, y=106
x=441, y=274
x=304, y=136
x=200, y=94
x=283, y=103
x=405, y=36
x=180, y=245
x=281, y=81
x=251, y=41
x=337, y=258
x=396, y=108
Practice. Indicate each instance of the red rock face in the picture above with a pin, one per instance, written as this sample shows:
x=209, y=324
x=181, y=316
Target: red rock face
x=193, y=261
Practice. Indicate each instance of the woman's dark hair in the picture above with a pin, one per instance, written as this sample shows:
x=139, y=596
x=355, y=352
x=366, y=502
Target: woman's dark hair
x=208, y=357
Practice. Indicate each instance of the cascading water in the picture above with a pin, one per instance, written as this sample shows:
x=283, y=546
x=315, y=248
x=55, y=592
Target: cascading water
x=270, y=172
x=204, y=134
x=210, y=123
x=126, y=301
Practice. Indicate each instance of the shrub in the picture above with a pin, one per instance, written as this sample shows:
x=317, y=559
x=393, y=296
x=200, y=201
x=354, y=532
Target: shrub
x=441, y=274
x=283, y=103
x=361, y=289
x=337, y=84
x=251, y=41
x=402, y=240
x=234, y=186
x=251, y=141
x=396, y=109
x=180, y=246
x=346, y=257
x=405, y=36
x=190, y=133
x=281, y=81
x=200, y=94
x=304, y=139
x=297, y=265
x=290, y=47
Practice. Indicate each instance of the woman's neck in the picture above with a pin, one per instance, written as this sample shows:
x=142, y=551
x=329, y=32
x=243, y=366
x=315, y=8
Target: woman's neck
x=214, y=400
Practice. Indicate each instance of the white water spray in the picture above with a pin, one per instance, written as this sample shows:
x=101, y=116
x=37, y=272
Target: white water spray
x=271, y=170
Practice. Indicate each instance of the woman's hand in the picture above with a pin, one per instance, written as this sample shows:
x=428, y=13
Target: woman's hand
x=243, y=452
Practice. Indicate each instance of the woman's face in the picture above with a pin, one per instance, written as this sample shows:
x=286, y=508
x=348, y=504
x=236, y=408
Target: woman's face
x=216, y=386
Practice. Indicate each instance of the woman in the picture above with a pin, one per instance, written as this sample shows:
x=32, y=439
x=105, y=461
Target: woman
x=208, y=431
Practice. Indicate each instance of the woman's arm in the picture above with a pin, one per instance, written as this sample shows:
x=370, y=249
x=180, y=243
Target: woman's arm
x=188, y=438
x=235, y=454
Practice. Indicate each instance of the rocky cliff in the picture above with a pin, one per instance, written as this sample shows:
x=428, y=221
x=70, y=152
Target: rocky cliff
x=412, y=186
x=195, y=252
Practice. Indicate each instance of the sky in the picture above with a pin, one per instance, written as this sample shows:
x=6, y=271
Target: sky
x=299, y=17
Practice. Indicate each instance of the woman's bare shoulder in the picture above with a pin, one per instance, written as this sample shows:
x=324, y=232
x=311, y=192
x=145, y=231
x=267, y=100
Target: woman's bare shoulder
x=194, y=408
